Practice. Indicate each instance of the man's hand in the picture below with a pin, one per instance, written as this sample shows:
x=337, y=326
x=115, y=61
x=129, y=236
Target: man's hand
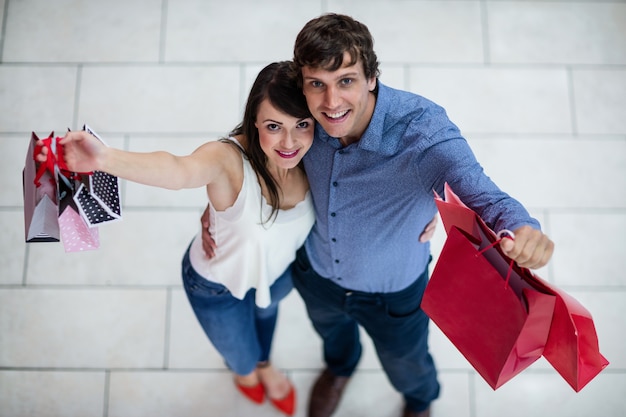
x=429, y=230
x=530, y=249
x=208, y=244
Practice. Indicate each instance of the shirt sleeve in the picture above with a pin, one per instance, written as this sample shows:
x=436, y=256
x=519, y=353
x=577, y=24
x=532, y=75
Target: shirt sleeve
x=448, y=157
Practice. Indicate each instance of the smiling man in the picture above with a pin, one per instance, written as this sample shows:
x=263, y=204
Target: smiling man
x=377, y=157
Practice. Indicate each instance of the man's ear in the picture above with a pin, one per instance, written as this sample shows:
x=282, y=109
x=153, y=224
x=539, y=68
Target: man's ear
x=371, y=84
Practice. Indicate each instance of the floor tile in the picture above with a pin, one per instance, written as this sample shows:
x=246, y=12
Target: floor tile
x=59, y=393
x=581, y=262
x=557, y=176
x=524, y=32
x=497, y=99
x=144, y=248
x=39, y=99
x=153, y=98
x=12, y=247
x=132, y=31
x=194, y=26
x=400, y=32
x=535, y=394
x=82, y=328
x=190, y=394
x=600, y=100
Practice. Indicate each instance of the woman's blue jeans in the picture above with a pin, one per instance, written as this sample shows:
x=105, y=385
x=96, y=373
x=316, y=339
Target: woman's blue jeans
x=240, y=331
x=395, y=322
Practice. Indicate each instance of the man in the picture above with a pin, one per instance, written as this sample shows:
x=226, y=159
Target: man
x=377, y=157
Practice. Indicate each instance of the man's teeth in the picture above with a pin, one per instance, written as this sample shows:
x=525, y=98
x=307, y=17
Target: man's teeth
x=337, y=115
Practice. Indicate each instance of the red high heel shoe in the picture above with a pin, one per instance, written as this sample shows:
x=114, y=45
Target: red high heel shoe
x=255, y=393
x=287, y=404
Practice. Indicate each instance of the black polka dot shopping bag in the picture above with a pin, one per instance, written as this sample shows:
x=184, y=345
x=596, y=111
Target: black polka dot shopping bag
x=65, y=206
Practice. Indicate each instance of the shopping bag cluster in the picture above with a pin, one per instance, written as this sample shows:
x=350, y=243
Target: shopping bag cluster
x=501, y=317
x=60, y=205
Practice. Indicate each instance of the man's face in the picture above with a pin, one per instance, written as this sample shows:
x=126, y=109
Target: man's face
x=342, y=100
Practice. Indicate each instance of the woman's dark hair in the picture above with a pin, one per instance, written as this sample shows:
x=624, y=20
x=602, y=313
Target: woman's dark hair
x=322, y=42
x=276, y=83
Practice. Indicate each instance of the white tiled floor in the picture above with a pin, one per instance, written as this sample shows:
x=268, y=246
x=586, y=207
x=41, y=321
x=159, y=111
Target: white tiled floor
x=538, y=88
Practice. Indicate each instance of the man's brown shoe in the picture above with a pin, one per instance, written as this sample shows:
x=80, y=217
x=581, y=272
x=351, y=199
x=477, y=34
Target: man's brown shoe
x=326, y=394
x=409, y=413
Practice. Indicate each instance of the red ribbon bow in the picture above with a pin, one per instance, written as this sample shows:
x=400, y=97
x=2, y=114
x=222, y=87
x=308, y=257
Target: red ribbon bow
x=52, y=159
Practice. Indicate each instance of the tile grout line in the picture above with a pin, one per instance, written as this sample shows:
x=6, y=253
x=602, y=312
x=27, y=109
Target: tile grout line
x=107, y=392
x=572, y=99
x=25, y=266
x=167, y=330
x=77, y=86
x=163, y=31
x=3, y=29
x=484, y=17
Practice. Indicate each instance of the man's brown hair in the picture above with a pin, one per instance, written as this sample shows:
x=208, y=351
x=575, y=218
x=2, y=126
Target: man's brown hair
x=322, y=42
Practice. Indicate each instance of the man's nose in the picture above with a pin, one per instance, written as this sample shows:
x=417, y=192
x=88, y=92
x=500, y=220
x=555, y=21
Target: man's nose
x=331, y=97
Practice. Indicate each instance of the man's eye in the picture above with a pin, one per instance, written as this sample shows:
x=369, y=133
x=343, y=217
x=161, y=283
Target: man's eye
x=346, y=81
x=316, y=84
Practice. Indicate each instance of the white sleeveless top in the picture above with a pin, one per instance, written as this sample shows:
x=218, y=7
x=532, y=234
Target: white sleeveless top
x=251, y=253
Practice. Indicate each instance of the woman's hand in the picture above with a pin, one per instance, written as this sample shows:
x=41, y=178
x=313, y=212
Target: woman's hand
x=81, y=152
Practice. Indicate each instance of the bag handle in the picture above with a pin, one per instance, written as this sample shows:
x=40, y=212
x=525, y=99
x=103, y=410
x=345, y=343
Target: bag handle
x=500, y=236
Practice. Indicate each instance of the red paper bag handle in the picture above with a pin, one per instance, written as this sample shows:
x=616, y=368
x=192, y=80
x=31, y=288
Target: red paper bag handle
x=500, y=236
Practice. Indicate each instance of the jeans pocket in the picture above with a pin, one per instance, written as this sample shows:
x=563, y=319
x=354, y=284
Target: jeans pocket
x=404, y=310
x=197, y=285
x=407, y=302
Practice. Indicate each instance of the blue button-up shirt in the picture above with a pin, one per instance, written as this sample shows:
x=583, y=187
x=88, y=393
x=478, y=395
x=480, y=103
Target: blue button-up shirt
x=374, y=197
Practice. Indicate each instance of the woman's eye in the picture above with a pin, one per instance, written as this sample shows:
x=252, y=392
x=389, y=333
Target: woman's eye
x=273, y=126
x=304, y=124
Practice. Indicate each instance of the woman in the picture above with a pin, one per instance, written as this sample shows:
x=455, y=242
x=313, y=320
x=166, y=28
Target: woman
x=261, y=213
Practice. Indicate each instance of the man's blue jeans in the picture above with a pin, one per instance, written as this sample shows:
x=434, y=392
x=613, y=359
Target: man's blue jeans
x=395, y=322
x=240, y=331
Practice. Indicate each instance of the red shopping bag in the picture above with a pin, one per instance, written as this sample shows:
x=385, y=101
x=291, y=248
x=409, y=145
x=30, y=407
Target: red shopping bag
x=499, y=325
x=572, y=347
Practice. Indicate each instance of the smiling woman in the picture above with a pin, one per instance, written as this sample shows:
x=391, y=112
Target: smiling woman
x=235, y=294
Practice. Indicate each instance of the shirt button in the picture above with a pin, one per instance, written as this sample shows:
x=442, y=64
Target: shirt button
x=333, y=240
x=333, y=214
x=335, y=183
x=336, y=261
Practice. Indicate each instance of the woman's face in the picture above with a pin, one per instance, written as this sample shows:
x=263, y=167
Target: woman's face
x=284, y=138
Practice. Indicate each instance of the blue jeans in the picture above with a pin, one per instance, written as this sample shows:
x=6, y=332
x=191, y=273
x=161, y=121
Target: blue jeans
x=395, y=322
x=240, y=331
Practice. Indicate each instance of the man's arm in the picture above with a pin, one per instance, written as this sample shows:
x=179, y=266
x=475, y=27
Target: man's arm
x=208, y=244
